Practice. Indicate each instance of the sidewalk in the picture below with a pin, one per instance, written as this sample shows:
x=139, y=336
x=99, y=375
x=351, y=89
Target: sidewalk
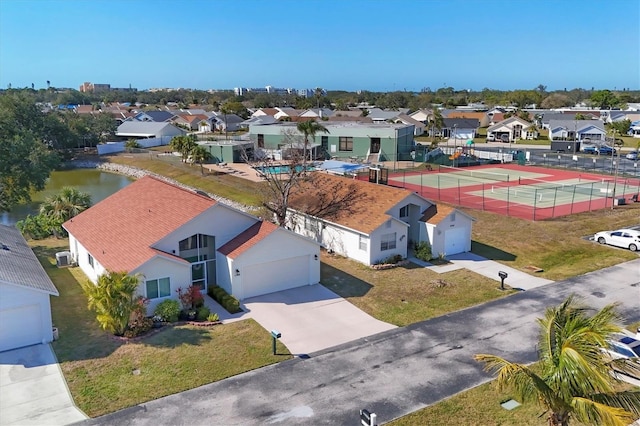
x=489, y=268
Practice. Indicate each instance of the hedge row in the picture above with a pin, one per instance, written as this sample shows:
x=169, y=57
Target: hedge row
x=230, y=303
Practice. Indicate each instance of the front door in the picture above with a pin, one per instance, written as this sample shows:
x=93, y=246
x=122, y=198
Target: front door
x=375, y=146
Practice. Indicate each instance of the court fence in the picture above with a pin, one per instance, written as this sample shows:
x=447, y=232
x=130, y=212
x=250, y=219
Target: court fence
x=525, y=198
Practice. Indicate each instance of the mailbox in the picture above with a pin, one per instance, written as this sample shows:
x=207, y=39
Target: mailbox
x=368, y=419
x=276, y=334
x=502, y=276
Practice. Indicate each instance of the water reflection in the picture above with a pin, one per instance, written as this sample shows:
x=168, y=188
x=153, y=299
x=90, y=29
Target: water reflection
x=97, y=183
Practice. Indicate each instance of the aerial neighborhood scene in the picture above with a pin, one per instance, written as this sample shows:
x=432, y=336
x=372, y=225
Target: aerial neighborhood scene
x=339, y=212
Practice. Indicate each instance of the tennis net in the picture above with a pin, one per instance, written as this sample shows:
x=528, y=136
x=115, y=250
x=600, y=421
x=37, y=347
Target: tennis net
x=587, y=188
x=477, y=174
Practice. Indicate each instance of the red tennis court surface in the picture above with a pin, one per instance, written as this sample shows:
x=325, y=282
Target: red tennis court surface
x=527, y=192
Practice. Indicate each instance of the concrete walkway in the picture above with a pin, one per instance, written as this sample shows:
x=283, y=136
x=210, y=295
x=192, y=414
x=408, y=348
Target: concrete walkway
x=489, y=268
x=33, y=390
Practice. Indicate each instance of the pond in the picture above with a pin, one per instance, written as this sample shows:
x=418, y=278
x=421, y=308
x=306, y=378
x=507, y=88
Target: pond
x=97, y=183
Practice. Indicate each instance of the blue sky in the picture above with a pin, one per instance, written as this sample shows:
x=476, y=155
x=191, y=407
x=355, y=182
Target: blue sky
x=378, y=45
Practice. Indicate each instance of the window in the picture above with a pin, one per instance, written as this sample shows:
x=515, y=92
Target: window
x=90, y=258
x=362, y=242
x=325, y=142
x=260, y=141
x=404, y=211
x=158, y=288
x=388, y=224
x=346, y=143
x=310, y=224
x=453, y=217
x=388, y=242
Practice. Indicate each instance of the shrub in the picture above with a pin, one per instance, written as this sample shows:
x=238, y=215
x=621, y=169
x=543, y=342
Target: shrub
x=138, y=321
x=168, y=310
x=203, y=313
x=422, y=251
x=190, y=297
x=213, y=317
x=230, y=303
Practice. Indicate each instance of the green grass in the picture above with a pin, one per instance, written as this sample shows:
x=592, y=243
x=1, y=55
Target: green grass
x=556, y=246
x=406, y=295
x=100, y=369
x=231, y=187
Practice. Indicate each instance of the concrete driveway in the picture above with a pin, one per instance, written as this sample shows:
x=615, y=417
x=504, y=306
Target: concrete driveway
x=33, y=390
x=312, y=318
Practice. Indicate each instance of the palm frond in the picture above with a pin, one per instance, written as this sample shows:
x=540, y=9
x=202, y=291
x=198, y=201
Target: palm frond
x=589, y=411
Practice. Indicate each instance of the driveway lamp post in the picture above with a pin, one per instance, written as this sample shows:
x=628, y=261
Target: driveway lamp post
x=275, y=335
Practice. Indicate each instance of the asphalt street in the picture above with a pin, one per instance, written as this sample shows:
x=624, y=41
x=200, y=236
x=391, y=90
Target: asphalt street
x=392, y=373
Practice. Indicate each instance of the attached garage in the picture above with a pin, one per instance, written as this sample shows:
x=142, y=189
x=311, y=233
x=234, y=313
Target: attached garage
x=456, y=240
x=265, y=259
x=275, y=276
x=25, y=289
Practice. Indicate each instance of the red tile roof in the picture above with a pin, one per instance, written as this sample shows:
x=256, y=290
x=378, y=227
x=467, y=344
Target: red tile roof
x=120, y=230
x=436, y=213
x=367, y=213
x=247, y=239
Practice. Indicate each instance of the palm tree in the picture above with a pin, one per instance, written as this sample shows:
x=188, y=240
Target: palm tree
x=199, y=155
x=69, y=202
x=309, y=128
x=184, y=145
x=437, y=122
x=113, y=298
x=574, y=379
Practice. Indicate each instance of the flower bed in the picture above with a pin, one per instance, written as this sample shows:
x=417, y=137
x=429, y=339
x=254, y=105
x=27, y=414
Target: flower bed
x=166, y=326
x=382, y=266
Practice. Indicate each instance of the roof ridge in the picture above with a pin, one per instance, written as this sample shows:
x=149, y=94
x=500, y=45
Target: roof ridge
x=182, y=187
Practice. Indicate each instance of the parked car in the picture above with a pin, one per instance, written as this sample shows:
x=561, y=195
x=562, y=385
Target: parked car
x=625, y=238
x=606, y=150
x=590, y=149
x=633, y=155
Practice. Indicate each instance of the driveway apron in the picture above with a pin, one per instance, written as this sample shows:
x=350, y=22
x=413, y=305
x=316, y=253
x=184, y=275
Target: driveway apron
x=33, y=390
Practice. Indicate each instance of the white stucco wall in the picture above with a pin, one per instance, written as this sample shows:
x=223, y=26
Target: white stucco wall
x=436, y=233
x=81, y=256
x=401, y=230
x=178, y=273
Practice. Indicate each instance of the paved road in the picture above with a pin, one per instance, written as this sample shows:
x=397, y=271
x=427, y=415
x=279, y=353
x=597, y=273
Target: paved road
x=393, y=373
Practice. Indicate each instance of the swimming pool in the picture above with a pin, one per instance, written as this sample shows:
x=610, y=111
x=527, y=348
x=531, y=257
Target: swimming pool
x=276, y=170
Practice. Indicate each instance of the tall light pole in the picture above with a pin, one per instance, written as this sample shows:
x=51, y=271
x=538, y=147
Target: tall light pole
x=615, y=176
x=455, y=143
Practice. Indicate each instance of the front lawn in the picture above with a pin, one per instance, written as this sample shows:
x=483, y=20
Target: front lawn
x=106, y=375
x=406, y=295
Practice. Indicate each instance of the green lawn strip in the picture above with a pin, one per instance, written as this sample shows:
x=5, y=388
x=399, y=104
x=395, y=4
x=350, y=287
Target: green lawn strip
x=557, y=245
x=231, y=187
x=100, y=370
x=406, y=295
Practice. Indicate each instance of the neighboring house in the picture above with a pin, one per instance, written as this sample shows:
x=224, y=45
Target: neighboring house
x=192, y=122
x=460, y=128
x=510, y=130
x=417, y=125
x=286, y=112
x=482, y=117
x=344, y=140
x=25, y=289
x=580, y=130
x=156, y=116
x=265, y=111
x=566, y=116
x=148, y=129
x=316, y=113
x=174, y=238
x=617, y=116
x=422, y=115
x=384, y=222
x=227, y=122
x=378, y=115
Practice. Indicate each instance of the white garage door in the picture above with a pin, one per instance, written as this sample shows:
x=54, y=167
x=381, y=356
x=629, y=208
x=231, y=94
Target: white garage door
x=275, y=276
x=455, y=241
x=20, y=326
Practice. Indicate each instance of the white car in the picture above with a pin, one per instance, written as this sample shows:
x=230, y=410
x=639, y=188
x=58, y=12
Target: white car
x=625, y=238
x=633, y=155
x=627, y=347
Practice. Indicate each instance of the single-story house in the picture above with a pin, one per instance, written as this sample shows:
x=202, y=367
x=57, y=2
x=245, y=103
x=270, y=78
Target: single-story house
x=547, y=118
x=316, y=113
x=580, y=130
x=344, y=140
x=422, y=115
x=382, y=221
x=192, y=122
x=417, y=125
x=482, y=117
x=260, y=112
x=226, y=122
x=510, y=130
x=25, y=290
x=173, y=237
x=460, y=128
x=286, y=112
x=155, y=115
x=148, y=129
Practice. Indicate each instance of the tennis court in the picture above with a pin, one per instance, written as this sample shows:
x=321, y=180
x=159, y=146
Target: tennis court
x=528, y=192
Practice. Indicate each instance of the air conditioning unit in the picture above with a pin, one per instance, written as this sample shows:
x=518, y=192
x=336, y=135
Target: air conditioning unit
x=64, y=259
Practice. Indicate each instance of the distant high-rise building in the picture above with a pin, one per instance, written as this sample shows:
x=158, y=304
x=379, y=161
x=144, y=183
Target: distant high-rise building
x=89, y=87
